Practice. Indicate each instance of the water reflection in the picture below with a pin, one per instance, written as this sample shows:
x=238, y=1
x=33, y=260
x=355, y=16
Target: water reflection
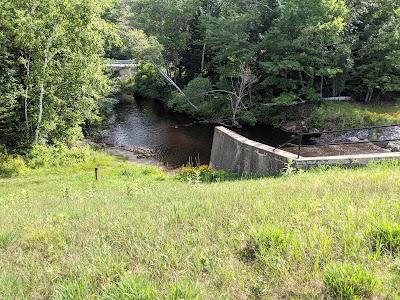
x=146, y=123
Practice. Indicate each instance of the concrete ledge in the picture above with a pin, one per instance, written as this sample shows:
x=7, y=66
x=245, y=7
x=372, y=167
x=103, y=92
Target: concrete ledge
x=235, y=153
x=344, y=160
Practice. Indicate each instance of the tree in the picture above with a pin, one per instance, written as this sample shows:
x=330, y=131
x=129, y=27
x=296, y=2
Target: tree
x=59, y=47
x=10, y=87
x=374, y=28
x=241, y=88
x=169, y=22
x=304, y=52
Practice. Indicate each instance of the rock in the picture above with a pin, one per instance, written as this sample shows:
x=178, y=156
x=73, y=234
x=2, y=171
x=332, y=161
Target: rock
x=393, y=146
x=295, y=127
x=141, y=152
x=353, y=139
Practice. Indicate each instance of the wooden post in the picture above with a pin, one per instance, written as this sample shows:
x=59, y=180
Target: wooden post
x=96, y=172
x=300, y=144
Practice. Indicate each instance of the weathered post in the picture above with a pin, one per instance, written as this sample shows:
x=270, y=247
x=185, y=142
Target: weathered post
x=300, y=145
x=96, y=172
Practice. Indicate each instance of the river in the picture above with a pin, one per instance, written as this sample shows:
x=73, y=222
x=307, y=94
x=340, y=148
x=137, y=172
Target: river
x=175, y=138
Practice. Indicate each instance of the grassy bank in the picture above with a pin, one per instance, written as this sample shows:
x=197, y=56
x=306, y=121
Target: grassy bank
x=140, y=234
x=340, y=115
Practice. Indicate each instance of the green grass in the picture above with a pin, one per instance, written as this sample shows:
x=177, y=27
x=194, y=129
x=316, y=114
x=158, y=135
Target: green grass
x=138, y=233
x=347, y=115
x=344, y=281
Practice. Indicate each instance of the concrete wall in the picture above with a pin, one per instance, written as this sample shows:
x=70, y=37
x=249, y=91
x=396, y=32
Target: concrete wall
x=235, y=153
x=344, y=160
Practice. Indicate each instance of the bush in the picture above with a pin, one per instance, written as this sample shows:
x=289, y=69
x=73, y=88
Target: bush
x=11, y=165
x=134, y=287
x=385, y=238
x=150, y=84
x=58, y=156
x=266, y=239
x=348, y=282
x=196, y=92
x=204, y=174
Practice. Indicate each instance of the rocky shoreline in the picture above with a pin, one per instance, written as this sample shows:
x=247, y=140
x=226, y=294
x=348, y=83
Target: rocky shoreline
x=386, y=139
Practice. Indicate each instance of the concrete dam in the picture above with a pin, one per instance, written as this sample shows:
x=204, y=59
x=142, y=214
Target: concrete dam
x=235, y=153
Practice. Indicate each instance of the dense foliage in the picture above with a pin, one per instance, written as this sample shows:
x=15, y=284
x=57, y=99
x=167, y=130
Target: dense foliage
x=251, y=54
x=51, y=69
x=242, y=61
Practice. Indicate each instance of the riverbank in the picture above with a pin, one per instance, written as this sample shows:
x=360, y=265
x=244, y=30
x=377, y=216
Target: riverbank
x=175, y=139
x=140, y=233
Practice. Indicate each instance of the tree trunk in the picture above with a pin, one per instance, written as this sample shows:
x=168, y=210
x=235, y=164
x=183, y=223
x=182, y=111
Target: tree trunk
x=322, y=87
x=176, y=66
x=203, y=57
x=369, y=94
x=40, y=115
x=27, y=67
x=42, y=87
x=301, y=81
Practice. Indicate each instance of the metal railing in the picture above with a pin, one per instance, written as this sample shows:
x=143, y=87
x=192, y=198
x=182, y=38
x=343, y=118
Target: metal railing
x=300, y=138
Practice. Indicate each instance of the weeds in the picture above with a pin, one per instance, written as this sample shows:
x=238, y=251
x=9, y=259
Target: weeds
x=348, y=282
x=64, y=235
x=204, y=174
x=265, y=239
x=385, y=238
x=131, y=287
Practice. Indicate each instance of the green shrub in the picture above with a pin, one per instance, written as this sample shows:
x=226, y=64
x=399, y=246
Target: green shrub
x=285, y=99
x=385, y=238
x=183, y=291
x=11, y=165
x=132, y=287
x=127, y=84
x=57, y=156
x=266, y=239
x=348, y=282
x=150, y=84
x=204, y=174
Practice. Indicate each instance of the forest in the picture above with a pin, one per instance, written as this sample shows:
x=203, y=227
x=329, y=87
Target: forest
x=237, y=61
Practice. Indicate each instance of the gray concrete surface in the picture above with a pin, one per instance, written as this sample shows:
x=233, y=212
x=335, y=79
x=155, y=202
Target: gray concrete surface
x=235, y=153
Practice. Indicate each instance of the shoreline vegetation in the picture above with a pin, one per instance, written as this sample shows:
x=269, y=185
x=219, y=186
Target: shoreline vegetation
x=238, y=62
x=138, y=232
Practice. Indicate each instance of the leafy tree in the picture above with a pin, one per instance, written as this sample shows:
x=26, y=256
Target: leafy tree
x=168, y=21
x=374, y=28
x=59, y=47
x=9, y=87
x=304, y=51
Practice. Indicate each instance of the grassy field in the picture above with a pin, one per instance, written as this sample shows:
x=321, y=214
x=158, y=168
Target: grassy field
x=138, y=233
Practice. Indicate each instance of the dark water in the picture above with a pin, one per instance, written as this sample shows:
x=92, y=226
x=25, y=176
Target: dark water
x=174, y=137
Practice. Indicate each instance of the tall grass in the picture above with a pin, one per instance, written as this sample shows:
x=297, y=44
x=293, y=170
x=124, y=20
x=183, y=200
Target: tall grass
x=352, y=115
x=140, y=234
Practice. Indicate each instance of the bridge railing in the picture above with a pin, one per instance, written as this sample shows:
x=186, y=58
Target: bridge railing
x=301, y=136
x=121, y=63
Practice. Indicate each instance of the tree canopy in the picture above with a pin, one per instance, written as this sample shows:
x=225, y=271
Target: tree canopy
x=52, y=68
x=229, y=59
x=300, y=50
